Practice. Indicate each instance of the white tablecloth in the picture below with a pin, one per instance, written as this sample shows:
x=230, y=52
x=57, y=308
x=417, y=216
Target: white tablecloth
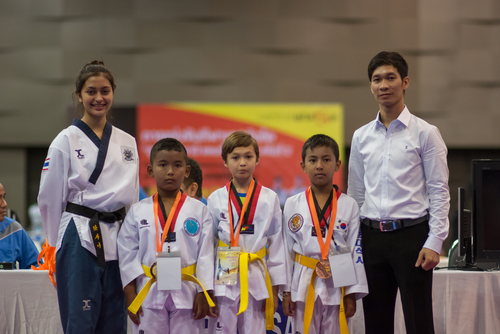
x=464, y=302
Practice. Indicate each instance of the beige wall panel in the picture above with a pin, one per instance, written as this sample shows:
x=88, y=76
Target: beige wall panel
x=119, y=8
x=161, y=92
x=40, y=34
x=120, y=64
x=472, y=36
x=401, y=9
x=434, y=75
x=298, y=91
x=11, y=29
x=13, y=179
x=155, y=33
x=47, y=9
x=226, y=34
x=477, y=9
x=10, y=97
x=437, y=11
x=341, y=66
x=125, y=92
x=10, y=8
x=83, y=8
x=41, y=63
x=87, y=34
x=120, y=33
x=474, y=66
x=437, y=35
x=9, y=67
x=253, y=91
x=331, y=36
x=404, y=34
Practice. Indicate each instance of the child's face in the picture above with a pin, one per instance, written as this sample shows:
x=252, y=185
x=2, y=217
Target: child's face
x=96, y=96
x=241, y=162
x=169, y=170
x=320, y=165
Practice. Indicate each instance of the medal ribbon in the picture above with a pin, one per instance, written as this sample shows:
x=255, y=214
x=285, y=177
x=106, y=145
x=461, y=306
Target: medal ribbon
x=176, y=207
x=234, y=238
x=323, y=245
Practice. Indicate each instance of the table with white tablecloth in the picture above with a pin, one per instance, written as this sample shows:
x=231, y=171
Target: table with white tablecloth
x=463, y=301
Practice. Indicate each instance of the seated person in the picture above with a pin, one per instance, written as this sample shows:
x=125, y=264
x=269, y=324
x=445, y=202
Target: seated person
x=192, y=184
x=15, y=243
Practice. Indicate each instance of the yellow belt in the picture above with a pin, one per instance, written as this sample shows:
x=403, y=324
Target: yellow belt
x=186, y=274
x=311, y=263
x=245, y=259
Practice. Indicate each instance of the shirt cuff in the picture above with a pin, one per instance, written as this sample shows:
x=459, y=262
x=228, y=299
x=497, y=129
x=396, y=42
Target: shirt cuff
x=433, y=243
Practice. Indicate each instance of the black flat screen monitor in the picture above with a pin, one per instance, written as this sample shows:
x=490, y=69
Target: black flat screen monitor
x=464, y=228
x=486, y=210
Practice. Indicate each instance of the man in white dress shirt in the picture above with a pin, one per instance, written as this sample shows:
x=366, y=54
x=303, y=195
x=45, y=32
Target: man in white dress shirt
x=398, y=175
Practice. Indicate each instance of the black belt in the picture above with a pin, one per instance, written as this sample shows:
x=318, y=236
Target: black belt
x=96, y=216
x=393, y=224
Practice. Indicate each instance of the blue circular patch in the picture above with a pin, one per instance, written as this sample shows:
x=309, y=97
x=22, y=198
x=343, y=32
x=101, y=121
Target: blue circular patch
x=191, y=226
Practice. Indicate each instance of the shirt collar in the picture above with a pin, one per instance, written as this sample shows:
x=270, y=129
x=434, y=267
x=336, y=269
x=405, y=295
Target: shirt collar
x=403, y=118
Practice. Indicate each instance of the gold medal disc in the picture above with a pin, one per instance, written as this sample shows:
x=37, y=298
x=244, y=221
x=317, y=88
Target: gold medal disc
x=153, y=270
x=323, y=269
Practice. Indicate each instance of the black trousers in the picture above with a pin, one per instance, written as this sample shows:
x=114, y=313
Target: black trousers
x=389, y=259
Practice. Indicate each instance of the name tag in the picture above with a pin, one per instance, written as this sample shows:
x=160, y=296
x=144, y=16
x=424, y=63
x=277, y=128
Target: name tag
x=168, y=271
x=342, y=267
x=323, y=231
x=226, y=265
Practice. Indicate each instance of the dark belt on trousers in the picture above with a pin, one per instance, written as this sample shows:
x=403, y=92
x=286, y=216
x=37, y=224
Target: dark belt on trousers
x=96, y=216
x=388, y=225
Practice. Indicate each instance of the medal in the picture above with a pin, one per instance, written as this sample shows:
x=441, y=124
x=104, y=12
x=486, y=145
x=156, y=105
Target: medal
x=323, y=269
x=153, y=270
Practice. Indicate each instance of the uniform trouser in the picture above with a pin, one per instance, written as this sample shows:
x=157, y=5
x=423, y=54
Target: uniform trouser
x=389, y=259
x=91, y=298
x=325, y=318
x=169, y=320
x=252, y=321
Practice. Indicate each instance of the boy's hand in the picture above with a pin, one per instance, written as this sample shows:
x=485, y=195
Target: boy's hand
x=200, y=306
x=275, y=299
x=130, y=295
x=213, y=312
x=288, y=305
x=349, y=305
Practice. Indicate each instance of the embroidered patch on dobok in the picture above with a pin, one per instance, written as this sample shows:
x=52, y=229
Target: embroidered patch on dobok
x=191, y=226
x=129, y=155
x=295, y=223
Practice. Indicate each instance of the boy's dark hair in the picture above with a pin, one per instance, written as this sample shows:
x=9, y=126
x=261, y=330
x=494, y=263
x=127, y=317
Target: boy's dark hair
x=238, y=139
x=388, y=58
x=168, y=144
x=195, y=175
x=320, y=140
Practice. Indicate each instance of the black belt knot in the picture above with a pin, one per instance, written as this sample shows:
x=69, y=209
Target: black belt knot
x=96, y=216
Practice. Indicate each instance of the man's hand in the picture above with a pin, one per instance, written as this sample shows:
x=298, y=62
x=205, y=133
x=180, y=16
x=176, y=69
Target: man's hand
x=427, y=259
x=130, y=294
x=349, y=305
x=288, y=305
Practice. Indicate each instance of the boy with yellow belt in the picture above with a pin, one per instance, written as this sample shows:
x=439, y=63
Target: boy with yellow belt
x=247, y=216
x=325, y=272
x=160, y=235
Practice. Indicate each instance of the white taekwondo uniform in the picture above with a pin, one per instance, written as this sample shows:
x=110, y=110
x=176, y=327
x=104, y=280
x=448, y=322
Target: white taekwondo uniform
x=137, y=247
x=298, y=227
x=267, y=232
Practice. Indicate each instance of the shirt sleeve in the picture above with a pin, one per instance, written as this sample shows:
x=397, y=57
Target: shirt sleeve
x=129, y=256
x=289, y=252
x=360, y=289
x=355, y=181
x=53, y=192
x=436, y=178
x=205, y=262
x=29, y=252
x=275, y=252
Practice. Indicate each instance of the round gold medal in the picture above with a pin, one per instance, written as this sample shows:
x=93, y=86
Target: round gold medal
x=153, y=270
x=323, y=269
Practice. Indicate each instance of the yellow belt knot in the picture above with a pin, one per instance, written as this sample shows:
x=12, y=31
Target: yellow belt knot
x=245, y=259
x=187, y=274
x=311, y=294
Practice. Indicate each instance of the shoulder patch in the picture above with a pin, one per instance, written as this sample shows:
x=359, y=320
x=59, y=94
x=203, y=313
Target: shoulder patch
x=295, y=223
x=128, y=154
x=46, y=164
x=191, y=226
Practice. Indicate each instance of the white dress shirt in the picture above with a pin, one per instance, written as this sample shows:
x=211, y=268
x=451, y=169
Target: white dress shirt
x=401, y=173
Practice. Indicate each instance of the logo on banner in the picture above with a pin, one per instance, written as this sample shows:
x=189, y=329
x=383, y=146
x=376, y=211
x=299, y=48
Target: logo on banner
x=295, y=222
x=191, y=226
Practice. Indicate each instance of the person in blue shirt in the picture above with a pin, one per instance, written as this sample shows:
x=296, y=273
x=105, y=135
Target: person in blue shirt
x=15, y=243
